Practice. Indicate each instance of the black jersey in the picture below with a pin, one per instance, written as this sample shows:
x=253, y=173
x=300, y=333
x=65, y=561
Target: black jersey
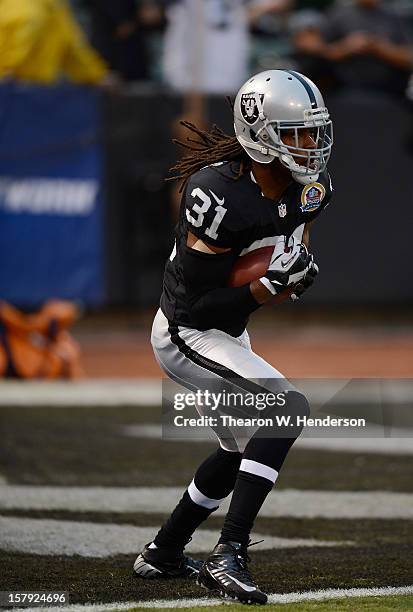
x=224, y=210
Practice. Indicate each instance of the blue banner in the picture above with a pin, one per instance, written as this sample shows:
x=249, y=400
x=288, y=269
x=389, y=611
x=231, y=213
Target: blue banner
x=51, y=205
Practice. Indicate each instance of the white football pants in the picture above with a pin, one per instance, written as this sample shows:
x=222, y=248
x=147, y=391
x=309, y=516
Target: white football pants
x=191, y=357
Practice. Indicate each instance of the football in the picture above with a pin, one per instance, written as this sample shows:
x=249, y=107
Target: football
x=251, y=267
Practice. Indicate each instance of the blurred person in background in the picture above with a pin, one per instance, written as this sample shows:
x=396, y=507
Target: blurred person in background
x=273, y=37
x=40, y=41
x=308, y=48
x=206, y=47
x=117, y=33
x=369, y=46
x=206, y=51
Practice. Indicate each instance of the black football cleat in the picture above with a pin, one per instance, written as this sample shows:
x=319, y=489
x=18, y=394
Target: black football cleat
x=162, y=563
x=226, y=572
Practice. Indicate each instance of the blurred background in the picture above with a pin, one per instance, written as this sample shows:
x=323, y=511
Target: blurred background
x=91, y=94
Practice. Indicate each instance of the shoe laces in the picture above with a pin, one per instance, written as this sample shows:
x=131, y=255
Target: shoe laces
x=243, y=556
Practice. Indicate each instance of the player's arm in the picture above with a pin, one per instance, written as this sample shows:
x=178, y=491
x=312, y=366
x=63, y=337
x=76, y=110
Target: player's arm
x=306, y=234
x=213, y=232
x=212, y=236
x=305, y=284
x=258, y=290
x=200, y=245
x=206, y=264
x=207, y=268
x=312, y=272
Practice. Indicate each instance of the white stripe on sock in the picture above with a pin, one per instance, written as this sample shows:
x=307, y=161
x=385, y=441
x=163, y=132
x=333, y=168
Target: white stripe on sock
x=259, y=469
x=201, y=499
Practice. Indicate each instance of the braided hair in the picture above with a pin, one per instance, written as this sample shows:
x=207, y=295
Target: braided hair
x=209, y=148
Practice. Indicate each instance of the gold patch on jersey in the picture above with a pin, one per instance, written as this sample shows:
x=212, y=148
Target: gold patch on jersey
x=311, y=196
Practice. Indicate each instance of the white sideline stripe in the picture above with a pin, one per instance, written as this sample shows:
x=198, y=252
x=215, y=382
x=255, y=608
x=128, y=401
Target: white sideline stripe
x=353, y=391
x=274, y=598
x=52, y=537
x=401, y=442
x=149, y=431
x=259, y=469
x=280, y=502
x=201, y=499
x=82, y=393
x=148, y=392
x=398, y=444
x=339, y=594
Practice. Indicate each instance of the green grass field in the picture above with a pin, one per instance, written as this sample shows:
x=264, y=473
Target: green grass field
x=365, y=604
x=84, y=447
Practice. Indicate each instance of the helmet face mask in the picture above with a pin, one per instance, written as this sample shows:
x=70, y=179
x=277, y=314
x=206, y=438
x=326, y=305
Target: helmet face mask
x=310, y=160
x=269, y=122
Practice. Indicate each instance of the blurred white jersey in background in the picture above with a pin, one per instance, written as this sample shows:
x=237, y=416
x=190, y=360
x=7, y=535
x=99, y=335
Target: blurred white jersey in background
x=206, y=45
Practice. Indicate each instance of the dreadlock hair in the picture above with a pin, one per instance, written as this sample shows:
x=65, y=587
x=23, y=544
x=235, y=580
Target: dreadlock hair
x=210, y=148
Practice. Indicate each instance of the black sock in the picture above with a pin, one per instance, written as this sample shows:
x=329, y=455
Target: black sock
x=251, y=489
x=216, y=476
x=213, y=481
x=249, y=494
x=180, y=526
x=269, y=451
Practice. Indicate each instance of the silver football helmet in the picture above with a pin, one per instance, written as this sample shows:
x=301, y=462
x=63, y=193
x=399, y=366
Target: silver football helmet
x=274, y=101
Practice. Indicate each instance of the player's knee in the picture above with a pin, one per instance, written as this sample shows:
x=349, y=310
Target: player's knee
x=228, y=459
x=299, y=403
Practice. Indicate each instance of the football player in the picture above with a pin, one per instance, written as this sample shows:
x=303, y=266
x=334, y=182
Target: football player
x=262, y=187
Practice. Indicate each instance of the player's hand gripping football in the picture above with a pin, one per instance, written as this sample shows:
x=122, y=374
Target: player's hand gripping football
x=289, y=266
x=307, y=281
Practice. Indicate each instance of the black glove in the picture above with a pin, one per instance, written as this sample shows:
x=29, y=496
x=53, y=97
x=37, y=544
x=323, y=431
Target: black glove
x=288, y=266
x=307, y=281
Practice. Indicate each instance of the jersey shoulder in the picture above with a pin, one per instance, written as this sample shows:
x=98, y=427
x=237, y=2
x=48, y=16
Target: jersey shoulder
x=222, y=177
x=213, y=205
x=316, y=196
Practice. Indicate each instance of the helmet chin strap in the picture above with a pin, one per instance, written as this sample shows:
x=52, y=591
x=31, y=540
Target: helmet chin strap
x=304, y=179
x=293, y=167
x=256, y=146
x=299, y=177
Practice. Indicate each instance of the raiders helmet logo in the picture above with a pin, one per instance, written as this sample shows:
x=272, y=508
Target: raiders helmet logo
x=249, y=108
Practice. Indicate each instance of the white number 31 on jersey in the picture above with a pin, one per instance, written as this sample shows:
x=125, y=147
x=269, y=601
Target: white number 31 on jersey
x=200, y=209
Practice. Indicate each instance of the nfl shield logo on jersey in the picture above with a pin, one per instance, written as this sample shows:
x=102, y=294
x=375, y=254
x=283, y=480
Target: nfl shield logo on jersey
x=249, y=108
x=282, y=209
x=312, y=196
